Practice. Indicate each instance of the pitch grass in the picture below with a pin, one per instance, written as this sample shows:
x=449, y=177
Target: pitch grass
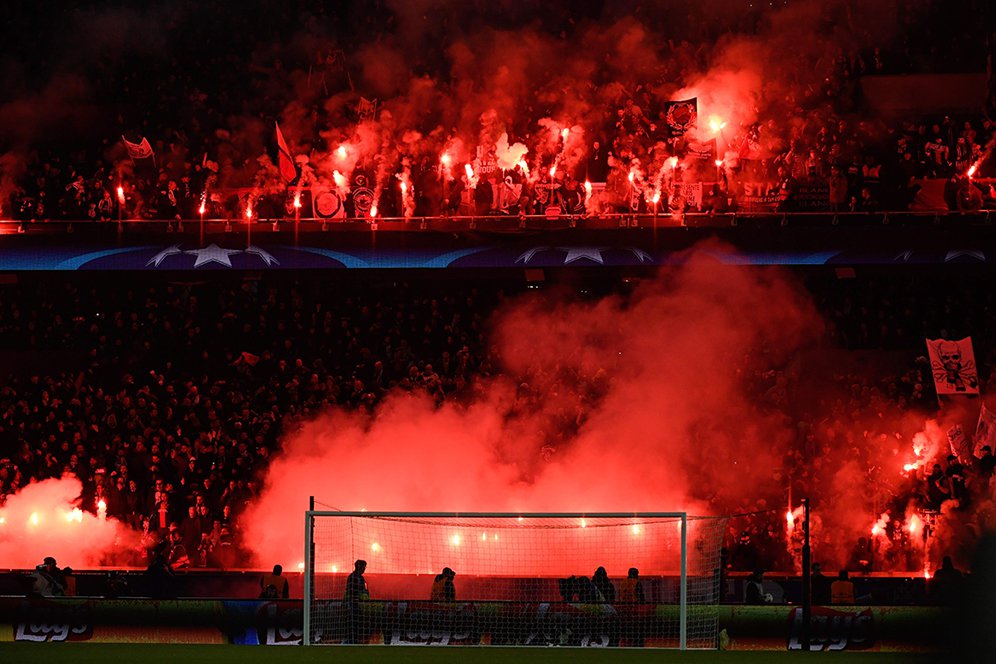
x=104, y=653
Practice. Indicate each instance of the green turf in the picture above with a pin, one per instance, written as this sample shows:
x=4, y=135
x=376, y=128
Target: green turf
x=87, y=653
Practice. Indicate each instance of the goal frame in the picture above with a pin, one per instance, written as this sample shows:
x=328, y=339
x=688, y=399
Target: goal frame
x=309, y=547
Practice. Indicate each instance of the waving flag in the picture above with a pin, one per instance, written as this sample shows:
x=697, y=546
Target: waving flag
x=287, y=168
x=138, y=151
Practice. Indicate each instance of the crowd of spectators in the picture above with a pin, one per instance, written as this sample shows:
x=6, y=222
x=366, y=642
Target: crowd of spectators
x=169, y=413
x=209, y=140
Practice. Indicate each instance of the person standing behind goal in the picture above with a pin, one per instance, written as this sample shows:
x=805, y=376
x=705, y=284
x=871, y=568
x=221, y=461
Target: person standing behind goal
x=356, y=590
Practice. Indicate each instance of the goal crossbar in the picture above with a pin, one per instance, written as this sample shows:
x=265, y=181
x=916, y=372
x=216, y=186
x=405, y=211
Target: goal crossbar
x=311, y=514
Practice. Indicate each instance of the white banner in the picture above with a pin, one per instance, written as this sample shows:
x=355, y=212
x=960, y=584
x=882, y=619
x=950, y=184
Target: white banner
x=953, y=365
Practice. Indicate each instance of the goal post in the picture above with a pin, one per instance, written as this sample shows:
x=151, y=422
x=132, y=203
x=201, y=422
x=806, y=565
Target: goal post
x=644, y=579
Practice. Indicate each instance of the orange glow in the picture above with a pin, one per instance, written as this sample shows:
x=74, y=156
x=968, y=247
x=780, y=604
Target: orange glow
x=584, y=524
x=300, y=565
x=914, y=524
x=455, y=540
x=33, y=519
x=716, y=124
x=636, y=529
x=375, y=547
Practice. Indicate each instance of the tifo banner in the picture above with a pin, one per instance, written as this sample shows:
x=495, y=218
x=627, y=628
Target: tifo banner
x=953, y=365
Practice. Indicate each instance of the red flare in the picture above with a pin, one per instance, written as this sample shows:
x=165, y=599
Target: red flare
x=297, y=200
x=121, y=196
x=716, y=124
x=341, y=152
x=972, y=169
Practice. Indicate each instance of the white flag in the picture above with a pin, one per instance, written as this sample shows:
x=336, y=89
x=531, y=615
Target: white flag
x=985, y=432
x=953, y=366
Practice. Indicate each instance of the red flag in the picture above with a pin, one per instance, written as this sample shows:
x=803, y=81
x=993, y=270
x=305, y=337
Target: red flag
x=141, y=150
x=287, y=169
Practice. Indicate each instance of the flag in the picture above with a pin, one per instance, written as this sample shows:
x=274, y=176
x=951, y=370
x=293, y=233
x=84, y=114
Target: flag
x=985, y=432
x=953, y=365
x=287, y=168
x=680, y=116
x=960, y=446
x=704, y=150
x=138, y=151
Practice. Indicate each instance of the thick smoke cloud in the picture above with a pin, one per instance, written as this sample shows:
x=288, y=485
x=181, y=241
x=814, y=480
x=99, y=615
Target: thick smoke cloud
x=635, y=403
x=43, y=519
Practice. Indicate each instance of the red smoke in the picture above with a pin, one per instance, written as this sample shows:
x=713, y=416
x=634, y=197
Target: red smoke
x=43, y=519
x=624, y=404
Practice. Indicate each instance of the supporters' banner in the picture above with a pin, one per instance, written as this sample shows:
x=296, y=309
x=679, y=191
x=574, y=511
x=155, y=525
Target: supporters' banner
x=136, y=151
x=691, y=192
x=362, y=196
x=985, y=431
x=287, y=168
x=706, y=150
x=961, y=447
x=328, y=205
x=953, y=366
x=680, y=116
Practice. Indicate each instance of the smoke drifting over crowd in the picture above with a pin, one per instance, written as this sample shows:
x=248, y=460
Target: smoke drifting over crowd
x=643, y=407
x=44, y=519
x=446, y=79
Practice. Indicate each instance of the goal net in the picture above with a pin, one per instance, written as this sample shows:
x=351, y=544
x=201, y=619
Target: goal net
x=629, y=580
